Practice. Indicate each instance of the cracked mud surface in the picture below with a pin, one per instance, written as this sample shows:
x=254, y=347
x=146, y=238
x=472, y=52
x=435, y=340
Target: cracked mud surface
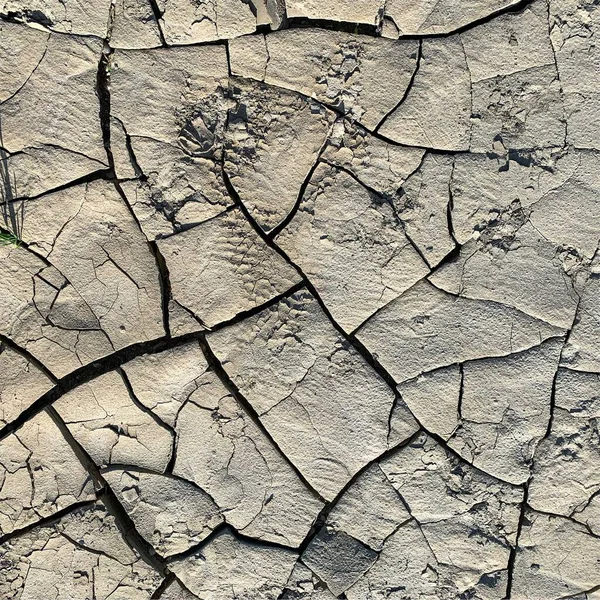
x=300, y=300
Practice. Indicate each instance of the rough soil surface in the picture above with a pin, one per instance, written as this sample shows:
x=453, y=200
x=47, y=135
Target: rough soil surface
x=299, y=300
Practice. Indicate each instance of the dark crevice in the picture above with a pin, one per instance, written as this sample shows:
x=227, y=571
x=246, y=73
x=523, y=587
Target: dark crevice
x=552, y=407
x=139, y=173
x=450, y=208
x=515, y=549
x=218, y=42
x=332, y=25
x=165, y=285
x=103, y=91
x=242, y=316
x=157, y=17
x=461, y=391
x=199, y=546
x=229, y=74
x=397, y=398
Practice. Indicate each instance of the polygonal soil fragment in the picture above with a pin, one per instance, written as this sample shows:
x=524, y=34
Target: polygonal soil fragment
x=522, y=110
x=43, y=75
x=464, y=526
x=582, y=351
x=168, y=110
x=39, y=475
x=190, y=22
x=248, y=56
x=222, y=267
x=228, y=567
x=377, y=164
x=513, y=264
x=351, y=246
x=569, y=213
x=79, y=557
x=426, y=328
x=112, y=427
x=134, y=25
x=440, y=120
x=273, y=139
x=500, y=190
x=21, y=384
x=353, y=11
x=22, y=50
x=172, y=514
x=89, y=235
x=361, y=76
x=565, y=475
x=574, y=27
x=423, y=205
x=225, y=453
x=322, y=403
x=505, y=409
x=434, y=398
x=418, y=17
x=338, y=559
x=557, y=558
x=164, y=382
x=78, y=18
x=176, y=591
x=303, y=584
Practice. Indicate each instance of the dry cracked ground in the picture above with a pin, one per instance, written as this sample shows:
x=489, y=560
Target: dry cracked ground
x=299, y=301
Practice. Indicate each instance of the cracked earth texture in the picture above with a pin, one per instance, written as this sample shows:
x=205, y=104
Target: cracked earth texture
x=299, y=299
